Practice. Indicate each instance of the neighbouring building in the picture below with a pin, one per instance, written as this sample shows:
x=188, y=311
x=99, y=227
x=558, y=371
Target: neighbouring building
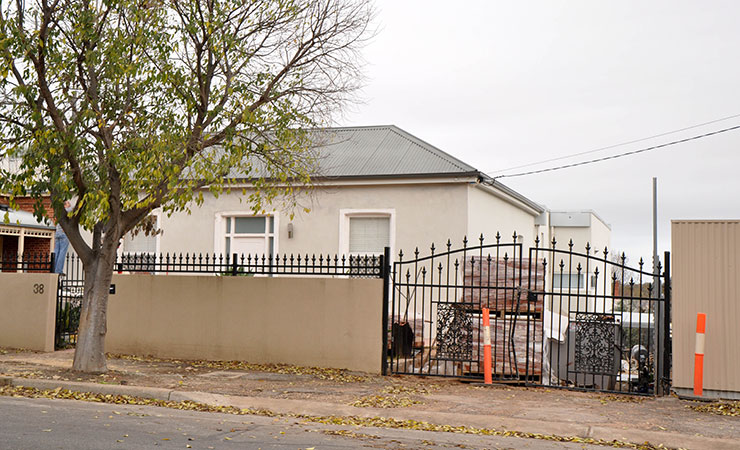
x=22, y=237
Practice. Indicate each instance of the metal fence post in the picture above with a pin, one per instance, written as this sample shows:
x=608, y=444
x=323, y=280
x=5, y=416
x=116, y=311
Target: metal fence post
x=52, y=256
x=385, y=275
x=667, y=342
x=234, y=270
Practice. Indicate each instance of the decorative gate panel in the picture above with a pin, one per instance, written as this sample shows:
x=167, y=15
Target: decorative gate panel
x=454, y=332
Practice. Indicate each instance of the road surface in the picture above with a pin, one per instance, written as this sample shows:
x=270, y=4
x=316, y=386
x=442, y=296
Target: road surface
x=67, y=424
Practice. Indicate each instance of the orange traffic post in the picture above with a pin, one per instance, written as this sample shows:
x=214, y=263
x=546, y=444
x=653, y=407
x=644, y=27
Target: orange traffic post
x=701, y=324
x=487, y=378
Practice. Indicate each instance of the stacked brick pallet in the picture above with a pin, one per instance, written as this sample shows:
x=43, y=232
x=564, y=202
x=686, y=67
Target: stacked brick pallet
x=503, y=285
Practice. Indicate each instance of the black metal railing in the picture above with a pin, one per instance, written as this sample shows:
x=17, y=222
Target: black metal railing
x=26, y=262
x=369, y=266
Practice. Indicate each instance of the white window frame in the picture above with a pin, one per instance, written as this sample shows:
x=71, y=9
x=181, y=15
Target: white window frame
x=219, y=235
x=586, y=282
x=346, y=214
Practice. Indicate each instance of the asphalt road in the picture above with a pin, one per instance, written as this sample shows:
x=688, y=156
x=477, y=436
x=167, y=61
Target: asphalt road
x=67, y=424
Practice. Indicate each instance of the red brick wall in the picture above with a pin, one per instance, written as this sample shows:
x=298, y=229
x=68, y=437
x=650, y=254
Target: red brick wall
x=26, y=204
x=36, y=246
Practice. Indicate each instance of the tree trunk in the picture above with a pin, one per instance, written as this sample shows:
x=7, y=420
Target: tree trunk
x=90, y=348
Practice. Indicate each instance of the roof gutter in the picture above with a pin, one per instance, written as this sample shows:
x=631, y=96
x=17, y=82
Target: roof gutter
x=319, y=177
x=510, y=195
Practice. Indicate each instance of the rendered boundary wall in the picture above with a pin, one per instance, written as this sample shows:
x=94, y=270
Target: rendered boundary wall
x=706, y=278
x=324, y=322
x=28, y=310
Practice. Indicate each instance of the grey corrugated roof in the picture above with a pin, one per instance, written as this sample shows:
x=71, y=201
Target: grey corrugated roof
x=381, y=151
x=385, y=151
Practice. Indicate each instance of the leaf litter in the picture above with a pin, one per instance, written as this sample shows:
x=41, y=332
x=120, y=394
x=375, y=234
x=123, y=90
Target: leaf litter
x=339, y=375
x=717, y=408
x=377, y=422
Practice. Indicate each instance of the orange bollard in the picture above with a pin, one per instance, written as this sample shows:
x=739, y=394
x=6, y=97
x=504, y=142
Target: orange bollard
x=487, y=378
x=701, y=324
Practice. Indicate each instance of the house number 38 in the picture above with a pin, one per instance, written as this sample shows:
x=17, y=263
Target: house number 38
x=38, y=288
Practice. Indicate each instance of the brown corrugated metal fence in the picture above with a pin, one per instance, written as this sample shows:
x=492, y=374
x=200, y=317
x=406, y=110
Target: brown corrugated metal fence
x=706, y=278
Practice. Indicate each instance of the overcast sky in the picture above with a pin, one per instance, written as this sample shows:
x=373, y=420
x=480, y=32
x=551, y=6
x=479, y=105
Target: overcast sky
x=502, y=84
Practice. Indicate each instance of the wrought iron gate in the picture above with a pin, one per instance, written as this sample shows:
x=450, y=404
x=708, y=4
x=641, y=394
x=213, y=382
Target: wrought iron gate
x=558, y=317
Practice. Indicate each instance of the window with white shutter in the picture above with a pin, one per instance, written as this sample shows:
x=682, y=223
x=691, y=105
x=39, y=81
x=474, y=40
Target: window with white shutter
x=369, y=235
x=366, y=231
x=141, y=243
x=139, y=250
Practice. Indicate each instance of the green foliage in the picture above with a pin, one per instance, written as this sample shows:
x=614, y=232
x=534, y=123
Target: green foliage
x=67, y=321
x=129, y=106
x=239, y=273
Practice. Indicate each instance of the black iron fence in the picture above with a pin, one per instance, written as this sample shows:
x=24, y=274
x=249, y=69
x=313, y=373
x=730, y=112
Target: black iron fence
x=247, y=265
x=26, y=262
x=558, y=316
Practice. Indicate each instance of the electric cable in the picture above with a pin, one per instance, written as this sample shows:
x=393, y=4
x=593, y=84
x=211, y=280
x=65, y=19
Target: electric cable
x=616, y=145
x=620, y=155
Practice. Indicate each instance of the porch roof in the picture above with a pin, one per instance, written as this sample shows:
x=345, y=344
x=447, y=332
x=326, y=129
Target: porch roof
x=22, y=219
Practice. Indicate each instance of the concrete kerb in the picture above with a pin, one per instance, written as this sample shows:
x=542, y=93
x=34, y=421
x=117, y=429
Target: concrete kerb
x=313, y=408
x=95, y=388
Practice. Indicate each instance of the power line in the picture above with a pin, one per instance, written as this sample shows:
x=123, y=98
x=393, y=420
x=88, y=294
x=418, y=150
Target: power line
x=620, y=155
x=559, y=158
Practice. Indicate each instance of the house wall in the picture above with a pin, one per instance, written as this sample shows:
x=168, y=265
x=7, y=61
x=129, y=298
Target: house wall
x=579, y=235
x=600, y=234
x=587, y=228
x=424, y=213
x=28, y=305
x=488, y=214
x=304, y=321
x=706, y=278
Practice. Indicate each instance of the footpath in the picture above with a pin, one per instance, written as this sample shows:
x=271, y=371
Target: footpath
x=371, y=400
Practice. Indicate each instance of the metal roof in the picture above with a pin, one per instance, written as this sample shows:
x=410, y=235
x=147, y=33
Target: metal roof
x=384, y=151
x=381, y=151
